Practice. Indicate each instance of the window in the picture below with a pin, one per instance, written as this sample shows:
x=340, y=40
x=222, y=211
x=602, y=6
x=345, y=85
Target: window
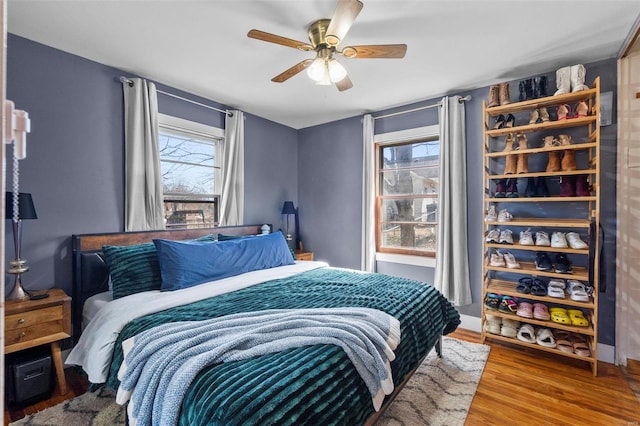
x=190, y=168
x=407, y=178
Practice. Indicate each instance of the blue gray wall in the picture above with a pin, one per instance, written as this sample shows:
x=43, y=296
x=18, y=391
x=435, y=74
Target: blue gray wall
x=74, y=166
x=330, y=188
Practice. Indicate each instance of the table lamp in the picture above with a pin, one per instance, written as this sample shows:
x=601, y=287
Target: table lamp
x=288, y=209
x=17, y=209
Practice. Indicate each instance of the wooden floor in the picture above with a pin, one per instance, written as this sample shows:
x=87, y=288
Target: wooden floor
x=518, y=387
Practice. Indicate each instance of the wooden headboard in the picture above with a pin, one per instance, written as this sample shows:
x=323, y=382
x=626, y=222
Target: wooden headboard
x=91, y=274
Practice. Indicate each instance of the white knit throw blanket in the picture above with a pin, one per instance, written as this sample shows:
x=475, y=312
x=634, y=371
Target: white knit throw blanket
x=160, y=363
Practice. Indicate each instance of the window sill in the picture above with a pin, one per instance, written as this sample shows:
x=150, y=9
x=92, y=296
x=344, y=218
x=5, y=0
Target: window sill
x=427, y=262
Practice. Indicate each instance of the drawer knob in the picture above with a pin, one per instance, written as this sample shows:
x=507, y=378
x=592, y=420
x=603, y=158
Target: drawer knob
x=21, y=335
x=21, y=321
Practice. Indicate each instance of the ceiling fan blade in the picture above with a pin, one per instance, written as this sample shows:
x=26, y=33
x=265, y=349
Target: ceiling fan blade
x=280, y=78
x=272, y=38
x=375, y=51
x=344, y=84
x=343, y=17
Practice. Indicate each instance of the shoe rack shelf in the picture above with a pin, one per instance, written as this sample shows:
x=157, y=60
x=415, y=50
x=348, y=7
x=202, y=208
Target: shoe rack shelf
x=576, y=213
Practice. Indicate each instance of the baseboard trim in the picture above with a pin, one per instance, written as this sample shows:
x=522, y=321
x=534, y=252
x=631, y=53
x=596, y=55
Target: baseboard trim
x=606, y=353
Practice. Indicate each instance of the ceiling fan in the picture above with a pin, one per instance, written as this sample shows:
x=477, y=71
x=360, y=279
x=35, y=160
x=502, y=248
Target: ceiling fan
x=324, y=36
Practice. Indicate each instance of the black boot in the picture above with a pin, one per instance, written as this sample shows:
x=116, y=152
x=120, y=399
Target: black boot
x=539, y=87
x=531, y=190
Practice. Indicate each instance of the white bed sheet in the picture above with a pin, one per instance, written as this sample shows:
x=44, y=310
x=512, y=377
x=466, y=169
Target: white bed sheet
x=92, y=305
x=94, y=349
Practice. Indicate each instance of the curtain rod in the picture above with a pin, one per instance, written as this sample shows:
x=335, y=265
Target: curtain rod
x=464, y=99
x=124, y=80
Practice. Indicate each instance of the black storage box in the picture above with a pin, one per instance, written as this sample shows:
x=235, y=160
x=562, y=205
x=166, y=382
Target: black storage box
x=28, y=377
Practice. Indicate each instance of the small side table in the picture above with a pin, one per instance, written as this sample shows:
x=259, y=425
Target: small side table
x=304, y=255
x=31, y=323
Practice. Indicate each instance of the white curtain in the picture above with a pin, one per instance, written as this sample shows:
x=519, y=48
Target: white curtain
x=232, y=202
x=452, y=262
x=368, y=262
x=143, y=188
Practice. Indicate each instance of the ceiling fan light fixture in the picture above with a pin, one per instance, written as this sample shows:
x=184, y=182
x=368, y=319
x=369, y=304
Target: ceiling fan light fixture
x=336, y=71
x=317, y=70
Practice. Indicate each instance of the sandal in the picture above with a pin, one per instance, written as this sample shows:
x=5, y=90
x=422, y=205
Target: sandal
x=492, y=301
x=563, y=112
x=544, y=337
x=555, y=288
x=526, y=334
x=577, y=318
x=564, y=345
x=581, y=109
x=580, y=346
x=524, y=285
x=525, y=310
x=541, y=312
x=578, y=291
x=539, y=287
x=508, y=305
x=559, y=315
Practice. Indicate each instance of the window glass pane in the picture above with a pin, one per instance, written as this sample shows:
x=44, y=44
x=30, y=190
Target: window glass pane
x=189, y=214
x=411, y=154
x=186, y=150
x=409, y=236
x=409, y=210
x=187, y=179
x=423, y=180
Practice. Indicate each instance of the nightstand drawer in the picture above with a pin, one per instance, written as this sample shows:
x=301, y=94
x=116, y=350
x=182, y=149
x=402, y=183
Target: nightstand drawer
x=30, y=318
x=304, y=255
x=25, y=334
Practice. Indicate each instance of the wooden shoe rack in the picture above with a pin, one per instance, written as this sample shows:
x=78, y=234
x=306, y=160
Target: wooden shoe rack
x=549, y=214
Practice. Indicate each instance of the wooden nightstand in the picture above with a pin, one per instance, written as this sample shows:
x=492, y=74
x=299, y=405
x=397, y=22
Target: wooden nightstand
x=30, y=323
x=304, y=255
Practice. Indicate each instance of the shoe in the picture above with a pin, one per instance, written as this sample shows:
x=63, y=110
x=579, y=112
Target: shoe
x=534, y=117
x=508, y=305
x=553, y=165
x=558, y=240
x=525, y=310
x=524, y=285
x=525, y=238
x=493, y=327
x=505, y=99
x=542, y=239
x=575, y=242
x=577, y=290
x=509, y=327
x=492, y=301
x=562, y=265
x=506, y=237
x=555, y=289
x=541, y=312
x=582, y=186
x=526, y=333
x=541, y=187
x=497, y=259
x=493, y=236
x=577, y=76
x=544, y=114
x=510, y=161
x=567, y=186
x=543, y=263
x=559, y=315
x=526, y=90
x=504, y=216
x=530, y=190
x=539, y=87
x=500, y=189
x=491, y=214
x=544, y=337
x=563, y=81
x=538, y=287
x=499, y=122
x=581, y=110
x=512, y=188
x=510, y=120
x=511, y=261
x=564, y=112
x=494, y=96
x=522, y=159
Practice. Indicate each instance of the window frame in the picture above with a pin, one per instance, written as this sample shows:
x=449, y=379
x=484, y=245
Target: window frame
x=427, y=133
x=181, y=126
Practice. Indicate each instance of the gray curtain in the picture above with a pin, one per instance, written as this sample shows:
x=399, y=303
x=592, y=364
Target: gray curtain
x=144, y=208
x=368, y=262
x=232, y=197
x=452, y=262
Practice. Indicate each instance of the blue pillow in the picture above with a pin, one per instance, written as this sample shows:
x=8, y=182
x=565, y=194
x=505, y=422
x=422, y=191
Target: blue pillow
x=224, y=237
x=135, y=268
x=186, y=264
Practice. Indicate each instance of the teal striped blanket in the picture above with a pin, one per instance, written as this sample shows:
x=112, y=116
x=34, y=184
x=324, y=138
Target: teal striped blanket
x=311, y=385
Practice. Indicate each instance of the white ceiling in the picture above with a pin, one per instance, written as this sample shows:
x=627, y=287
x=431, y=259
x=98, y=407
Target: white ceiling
x=202, y=47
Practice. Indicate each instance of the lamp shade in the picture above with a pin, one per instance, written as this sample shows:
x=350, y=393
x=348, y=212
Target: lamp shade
x=288, y=208
x=26, y=209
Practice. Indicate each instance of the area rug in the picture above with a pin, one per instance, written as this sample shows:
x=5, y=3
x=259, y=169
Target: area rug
x=439, y=393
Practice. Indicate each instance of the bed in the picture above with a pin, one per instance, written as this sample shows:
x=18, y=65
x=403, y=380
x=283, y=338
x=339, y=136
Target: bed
x=311, y=384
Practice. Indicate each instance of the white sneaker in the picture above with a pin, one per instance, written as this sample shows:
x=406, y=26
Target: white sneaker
x=511, y=261
x=493, y=236
x=506, y=237
x=542, y=239
x=526, y=239
x=574, y=240
x=497, y=259
x=558, y=240
x=491, y=214
x=504, y=216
